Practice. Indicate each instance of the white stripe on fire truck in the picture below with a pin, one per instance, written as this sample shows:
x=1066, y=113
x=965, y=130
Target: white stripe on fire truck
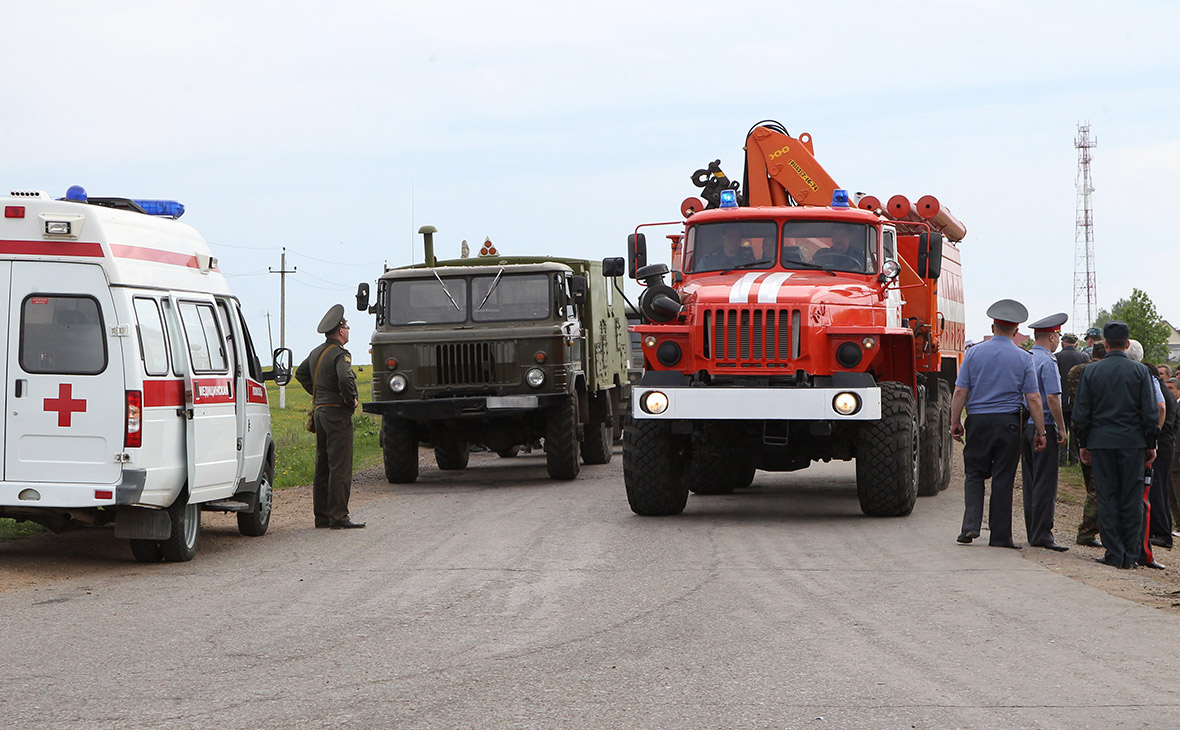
x=739, y=293
x=768, y=290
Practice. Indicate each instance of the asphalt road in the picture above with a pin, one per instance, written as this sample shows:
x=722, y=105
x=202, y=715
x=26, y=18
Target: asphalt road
x=497, y=599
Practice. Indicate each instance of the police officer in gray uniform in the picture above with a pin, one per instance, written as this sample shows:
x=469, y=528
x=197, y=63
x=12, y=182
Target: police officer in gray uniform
x=327, y=373
x=1039, y=468
x=997, y=378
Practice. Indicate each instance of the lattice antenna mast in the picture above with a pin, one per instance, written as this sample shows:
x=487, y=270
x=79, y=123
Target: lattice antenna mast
x=1085, y=295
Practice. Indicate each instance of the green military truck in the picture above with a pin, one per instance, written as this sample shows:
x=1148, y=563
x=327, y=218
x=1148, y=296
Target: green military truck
x=500, y=351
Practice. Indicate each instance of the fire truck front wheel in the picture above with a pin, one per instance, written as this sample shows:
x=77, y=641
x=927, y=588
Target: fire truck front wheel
x=561, y=439
x=181, y=545
x=654, y=465
x=887, y=456
x=399, y=450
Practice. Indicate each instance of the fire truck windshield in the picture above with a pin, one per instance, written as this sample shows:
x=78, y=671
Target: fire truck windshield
x=726, y=246
x=829, y=245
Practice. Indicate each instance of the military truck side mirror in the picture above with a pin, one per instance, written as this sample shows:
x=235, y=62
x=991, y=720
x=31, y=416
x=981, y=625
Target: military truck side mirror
x=578, y=289
x=362, y=297
x=280, y=369
x=614, y=267
x=636, y=254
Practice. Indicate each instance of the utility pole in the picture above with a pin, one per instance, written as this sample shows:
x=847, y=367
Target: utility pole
x=282, y=272
x=1085, y=277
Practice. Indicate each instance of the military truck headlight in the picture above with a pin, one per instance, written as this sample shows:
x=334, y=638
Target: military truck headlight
x=654, y=402
x=535, y=377
x=846, y=404
x=397, y=383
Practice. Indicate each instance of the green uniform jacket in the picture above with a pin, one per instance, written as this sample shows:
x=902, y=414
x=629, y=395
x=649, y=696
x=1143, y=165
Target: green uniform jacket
x=336, y=383
x=1115, y=406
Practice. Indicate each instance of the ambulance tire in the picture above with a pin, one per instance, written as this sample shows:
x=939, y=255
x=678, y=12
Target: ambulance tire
x=146, y=551
x=561, y=440
x=451, y=454
x=254, y=523
x=887, y=455
x=655, y=462
x=181, y=545
x=399, y=449
x=597, y=446
x=930, y=472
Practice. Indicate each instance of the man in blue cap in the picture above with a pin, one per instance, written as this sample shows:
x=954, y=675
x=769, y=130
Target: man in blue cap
x=996, y=380
x=1039, y=469
x=1092, y=335
x=1116, y=420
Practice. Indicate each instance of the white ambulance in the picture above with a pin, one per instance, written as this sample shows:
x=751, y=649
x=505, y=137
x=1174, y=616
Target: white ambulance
x=132, y=392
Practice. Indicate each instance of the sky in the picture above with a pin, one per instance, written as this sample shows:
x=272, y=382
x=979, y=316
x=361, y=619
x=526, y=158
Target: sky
x=334, y=131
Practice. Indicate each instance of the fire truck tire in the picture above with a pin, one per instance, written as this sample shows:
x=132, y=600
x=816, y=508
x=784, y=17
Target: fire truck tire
x=654, y=463
x=598, y=446
x=944, y=407
x=561, y=440
x=181, y=545
x=887, y=456
x=254, y=524
x=451, y=454
x=146, y=551
x=399, y=450
x=509, y=453
x=711, y=470
x=930, y=471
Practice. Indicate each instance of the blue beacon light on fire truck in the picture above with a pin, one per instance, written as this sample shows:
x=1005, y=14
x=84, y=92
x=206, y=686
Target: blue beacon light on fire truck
x=729, y=198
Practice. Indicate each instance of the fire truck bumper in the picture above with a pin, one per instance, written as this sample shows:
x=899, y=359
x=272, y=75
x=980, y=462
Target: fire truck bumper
x=777, y=404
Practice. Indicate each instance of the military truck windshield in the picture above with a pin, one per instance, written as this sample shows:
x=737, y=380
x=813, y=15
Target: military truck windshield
x=829, y=245
x=426, y=301
x=513, y=297
x=725, y=246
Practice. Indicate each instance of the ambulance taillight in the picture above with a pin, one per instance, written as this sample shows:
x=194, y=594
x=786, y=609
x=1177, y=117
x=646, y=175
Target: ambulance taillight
x=133, y=436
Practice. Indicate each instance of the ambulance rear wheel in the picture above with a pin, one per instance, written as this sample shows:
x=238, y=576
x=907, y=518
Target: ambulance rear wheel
x=254, y=524
x=181, y=545
x=146, y=551
x=399, y=448
x=451, y=454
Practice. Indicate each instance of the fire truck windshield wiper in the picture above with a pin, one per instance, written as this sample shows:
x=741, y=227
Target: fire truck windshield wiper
x=491, y=288
x=447, y=292
x=809, y=265
x=747, y=265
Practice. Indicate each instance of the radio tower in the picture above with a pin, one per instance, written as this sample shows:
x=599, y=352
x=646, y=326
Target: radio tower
x=1085, y=296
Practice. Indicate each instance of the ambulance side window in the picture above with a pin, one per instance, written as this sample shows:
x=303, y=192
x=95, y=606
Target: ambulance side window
x=252, y=363
x=206, y=347
x=62, y=335
x=229, y=333
x=152, y=344
x=175, y=341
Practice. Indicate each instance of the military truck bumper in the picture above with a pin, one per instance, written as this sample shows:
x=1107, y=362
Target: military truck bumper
x=742, y=403
x=438, y=409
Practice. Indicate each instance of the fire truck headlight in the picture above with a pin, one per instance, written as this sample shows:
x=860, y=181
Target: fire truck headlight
x=654, y=402
x=535, y=377
x=849, y=354
x=846, y=404
x=397, y=383
x=668, y=353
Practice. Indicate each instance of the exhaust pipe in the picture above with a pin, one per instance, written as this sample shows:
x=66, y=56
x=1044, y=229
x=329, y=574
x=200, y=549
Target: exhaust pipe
x=428, y=242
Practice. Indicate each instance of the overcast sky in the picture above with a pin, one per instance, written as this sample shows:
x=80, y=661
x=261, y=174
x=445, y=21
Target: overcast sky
x=337, y=129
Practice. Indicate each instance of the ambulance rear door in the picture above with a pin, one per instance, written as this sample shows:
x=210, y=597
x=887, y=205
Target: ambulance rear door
x=65, y=396
x=210, y=400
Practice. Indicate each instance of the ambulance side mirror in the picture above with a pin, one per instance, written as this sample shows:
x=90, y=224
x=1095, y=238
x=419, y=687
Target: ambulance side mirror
x=362, y=296
x=280, y=370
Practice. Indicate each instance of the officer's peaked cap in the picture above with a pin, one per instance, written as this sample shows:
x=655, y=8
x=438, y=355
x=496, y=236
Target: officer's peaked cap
x=1052, y=323
x=332, y=320
x=1008, y=310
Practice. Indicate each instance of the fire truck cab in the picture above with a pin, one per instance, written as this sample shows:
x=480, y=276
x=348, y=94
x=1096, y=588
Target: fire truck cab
x=132, y=391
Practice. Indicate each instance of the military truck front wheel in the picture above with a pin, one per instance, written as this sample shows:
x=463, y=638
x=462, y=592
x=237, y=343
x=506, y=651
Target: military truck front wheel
x=561, y=440
x=399, y=448
x=451, y=454
x=887, y=456
x=598, y=445
x=654, y=466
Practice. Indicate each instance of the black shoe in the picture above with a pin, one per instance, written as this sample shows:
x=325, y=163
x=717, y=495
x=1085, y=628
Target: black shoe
x=1154, y=564
x=967, y=536
x=1089, y=542
x=1104, y=561
x=1009, y=545
x=347, y=525
x=1161, y=542
x=1054, y=547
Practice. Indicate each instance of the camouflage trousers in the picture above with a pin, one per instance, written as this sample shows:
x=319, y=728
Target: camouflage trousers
x=1088, y=530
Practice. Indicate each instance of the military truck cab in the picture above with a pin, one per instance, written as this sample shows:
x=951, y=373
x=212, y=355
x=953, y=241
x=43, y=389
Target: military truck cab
x=498, y=351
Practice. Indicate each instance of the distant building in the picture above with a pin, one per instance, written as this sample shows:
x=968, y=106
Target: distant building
x=1173, y=342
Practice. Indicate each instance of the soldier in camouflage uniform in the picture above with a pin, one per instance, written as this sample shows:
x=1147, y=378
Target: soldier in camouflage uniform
x=1088, y=529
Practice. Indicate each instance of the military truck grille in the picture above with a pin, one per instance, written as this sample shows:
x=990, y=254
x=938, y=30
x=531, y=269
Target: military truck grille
x=752, y=337
x=467, y=363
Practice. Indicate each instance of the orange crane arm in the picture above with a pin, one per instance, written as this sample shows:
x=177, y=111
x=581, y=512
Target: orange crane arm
x=778, y=165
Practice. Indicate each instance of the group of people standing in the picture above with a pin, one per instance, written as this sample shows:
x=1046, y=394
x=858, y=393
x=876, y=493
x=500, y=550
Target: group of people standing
x=1018, y=413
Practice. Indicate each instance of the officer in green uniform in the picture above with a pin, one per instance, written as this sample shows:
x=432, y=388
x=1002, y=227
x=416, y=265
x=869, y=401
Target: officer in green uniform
x=327, y=374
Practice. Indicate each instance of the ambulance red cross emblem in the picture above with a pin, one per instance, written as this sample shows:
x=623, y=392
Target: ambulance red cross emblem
x=65, y=404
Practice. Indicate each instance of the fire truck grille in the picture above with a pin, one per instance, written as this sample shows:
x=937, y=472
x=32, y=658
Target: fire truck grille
x=467, y=363
x=752, y=337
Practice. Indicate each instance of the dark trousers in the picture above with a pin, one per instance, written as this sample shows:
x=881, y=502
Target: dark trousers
x=991, y=451
x=333, y=465
x=1070, y=453
x=1174, y=487
x=1118, y=479
x=1039, y=472
x=1088, y=528
x=1161, y=492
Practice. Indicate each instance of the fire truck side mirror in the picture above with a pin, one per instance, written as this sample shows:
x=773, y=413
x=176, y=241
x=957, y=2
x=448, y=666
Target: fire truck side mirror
x=362, y=297
x=636, y=253
x=613, y=267
x=280, y=369
x=934, y=256
x=578, y=289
